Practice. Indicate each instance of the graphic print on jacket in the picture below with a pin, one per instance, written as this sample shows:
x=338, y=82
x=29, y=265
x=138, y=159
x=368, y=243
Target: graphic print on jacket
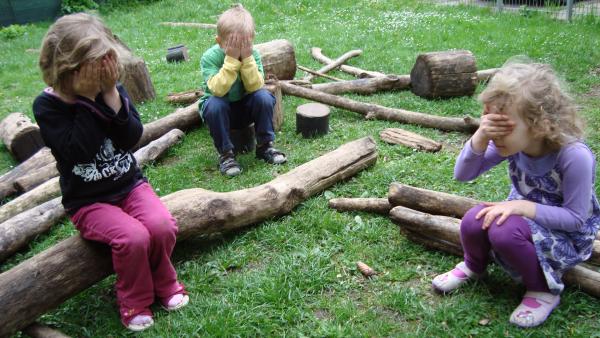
x=108, y=162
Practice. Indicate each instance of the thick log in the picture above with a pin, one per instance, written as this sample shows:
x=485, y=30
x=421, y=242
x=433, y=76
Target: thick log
x=317, y=54
x=187, y=97
x=316, y=73
x=135, y=77
x=21, y=136
x=278, y=59
x=35, y=178
x=69, y=267
x=444, y=74
x=365, y=86
x=369, y=110
x=376, y=205
x=335, y=64
x=409, y=139
x=17, y=231
x=429, y=201
x=37, y=330
x=38, y=160
x=275, y=88
x=447, y=229
x=312, y=119
x=182, y=118
x=190, y=24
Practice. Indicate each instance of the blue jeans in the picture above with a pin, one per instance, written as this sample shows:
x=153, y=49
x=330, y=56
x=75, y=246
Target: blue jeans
x=220, y=116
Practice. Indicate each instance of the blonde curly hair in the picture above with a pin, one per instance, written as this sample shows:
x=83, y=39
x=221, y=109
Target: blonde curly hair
x=71, y=41
x=536, y=92
x=235, y=19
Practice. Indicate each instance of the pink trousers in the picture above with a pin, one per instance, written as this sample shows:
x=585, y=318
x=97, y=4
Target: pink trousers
x=141, y=233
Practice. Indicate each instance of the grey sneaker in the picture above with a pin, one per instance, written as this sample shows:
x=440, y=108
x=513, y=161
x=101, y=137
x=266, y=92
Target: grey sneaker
x=228, y=166
x=270, y=154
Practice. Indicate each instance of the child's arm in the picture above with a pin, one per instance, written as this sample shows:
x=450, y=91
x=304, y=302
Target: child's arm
x=126, y=128
x=470, y=163
x=252, y=70
x=219, y=78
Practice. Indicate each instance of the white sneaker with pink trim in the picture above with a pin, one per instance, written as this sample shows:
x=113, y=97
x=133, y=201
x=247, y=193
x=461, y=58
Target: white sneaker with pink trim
x=534, y=309
x=453, y=279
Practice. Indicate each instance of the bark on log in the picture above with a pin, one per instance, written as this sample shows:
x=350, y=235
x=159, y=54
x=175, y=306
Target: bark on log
x=429, y=201
x=187, y=97
x=376, y=205
x=35, y=178
x=190, y=24
x=51, y=277
x=444, y=74
x=182, y=118
x=37, y=330
x=38, y=160
x=21, y=136
x=360, y=73
x=409, y=139
x=275, y=88
x=335, y=64
x=365, y=86
x=278, y=59
x=448, y=230
x=135, y=77
x=40, y=194
x=17, y=231
x=369, y=110
x=316, y=73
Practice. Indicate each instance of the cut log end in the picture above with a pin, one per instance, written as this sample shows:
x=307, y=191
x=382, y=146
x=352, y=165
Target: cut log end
x=312, y=119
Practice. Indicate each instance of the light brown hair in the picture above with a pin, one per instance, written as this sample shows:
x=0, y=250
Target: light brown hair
x=536, y=92
x=235, y=19
x=71, y=41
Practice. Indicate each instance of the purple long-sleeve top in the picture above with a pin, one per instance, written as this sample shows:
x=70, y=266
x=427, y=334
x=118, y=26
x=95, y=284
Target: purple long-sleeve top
x=576, y=163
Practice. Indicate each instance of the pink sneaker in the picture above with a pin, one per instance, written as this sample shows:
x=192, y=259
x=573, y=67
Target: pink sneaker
x=136, y=319
x=534, y=309
x=177, y=300
x=453, y=279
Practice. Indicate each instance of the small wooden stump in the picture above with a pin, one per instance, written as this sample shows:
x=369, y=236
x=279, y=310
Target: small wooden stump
x=177, y=54
x=135, y=76
x=244, y=140
x=21, y=136
x=312, y=119
x=409, y=139
x=275, y=89
x=444, y=74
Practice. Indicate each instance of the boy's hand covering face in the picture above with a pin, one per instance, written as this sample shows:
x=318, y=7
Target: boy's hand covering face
x=246, y=48
x=232, y=46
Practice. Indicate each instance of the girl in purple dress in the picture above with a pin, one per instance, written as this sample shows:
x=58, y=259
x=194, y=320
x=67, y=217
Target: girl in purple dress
x=549, y=221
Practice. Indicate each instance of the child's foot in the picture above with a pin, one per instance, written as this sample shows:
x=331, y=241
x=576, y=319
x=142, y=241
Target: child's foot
x=269, y=154
x=228, y=165
x=534, y=308
x=137, y=319
x=176, y=302
x=453, y=279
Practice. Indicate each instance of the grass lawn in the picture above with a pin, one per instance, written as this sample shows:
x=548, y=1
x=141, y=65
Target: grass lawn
x=295, y=275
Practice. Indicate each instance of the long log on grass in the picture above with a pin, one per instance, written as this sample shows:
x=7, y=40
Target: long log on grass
x=447, y=229
x=316, y=73
x=317, y=54
x=46, y=280
x=409, y=139
x=369, y=110
x=429, y=201
x=335, y=63
x=189, y=24
x=366, y=86
x=17, y=231
x=37, y=160
x=35, y=178
x=376, y=205
x=187, y=97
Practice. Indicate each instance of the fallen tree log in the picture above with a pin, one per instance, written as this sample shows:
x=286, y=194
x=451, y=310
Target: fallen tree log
x=69, y=267
x=376, y=205
x=38, y=160
x=17, y=231
x=316, y=73
x=190, y=24
x=429, y=201
x=278, y=59
x=36, y=177
x=40, y=194
x=336, y=63
x=187, y=97
x=365, y=86
x=369, y=110
x=447, y=229
x=21, y=137
x=317, y=54
x=409, y=139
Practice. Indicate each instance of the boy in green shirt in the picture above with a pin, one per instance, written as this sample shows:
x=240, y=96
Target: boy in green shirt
x=234, y=97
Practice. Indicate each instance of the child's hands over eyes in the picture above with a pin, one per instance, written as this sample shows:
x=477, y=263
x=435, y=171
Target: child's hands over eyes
x=246, y=47
x=500, y=211
x=495, y=124
x=109, y=73
x=86, y=80
x=232, y=47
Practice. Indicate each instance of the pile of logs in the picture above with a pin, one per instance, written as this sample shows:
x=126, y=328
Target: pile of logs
x=430, y=218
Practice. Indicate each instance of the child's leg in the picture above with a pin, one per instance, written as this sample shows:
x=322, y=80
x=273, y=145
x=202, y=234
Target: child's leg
x=260, y=105
x=144, y=205
x=216, y=116
x=130, y=242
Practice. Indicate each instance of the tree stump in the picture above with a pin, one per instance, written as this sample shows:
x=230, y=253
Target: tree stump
x=244, y=139
x=177, y=54
x=275, y=89
x=21, y=137
x=444, y=74
x=134, y=75
x=312, y=119
x=278, y=59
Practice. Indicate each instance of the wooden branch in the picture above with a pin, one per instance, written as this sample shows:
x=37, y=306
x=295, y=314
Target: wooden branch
x=187, y=97
x=182, y=118
x=17, y=231
x=365, y=86
x=409, y=139
x=360, y=73
x=466, y=124
x=37, y=330
x=376, y=205
x=335, y=64
x=38, y=160
x=429, y=201
x=189, y=24
x=487, y=74
x=448, y=230
x=46, y=280
x=314, y=72
x=35, y=178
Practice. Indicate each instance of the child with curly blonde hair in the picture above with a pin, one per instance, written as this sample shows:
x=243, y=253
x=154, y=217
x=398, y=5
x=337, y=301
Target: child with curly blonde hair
x=88, y=121
x=549, y=221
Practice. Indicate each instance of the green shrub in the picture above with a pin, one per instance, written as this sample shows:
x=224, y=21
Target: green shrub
x=12, y=32
x=75, y=6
